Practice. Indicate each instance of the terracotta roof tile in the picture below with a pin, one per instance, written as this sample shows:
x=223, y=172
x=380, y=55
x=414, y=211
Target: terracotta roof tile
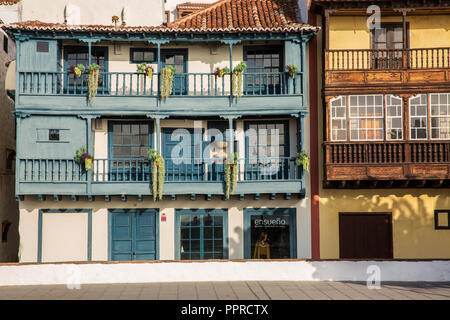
x=9, y=2
x=222, y=16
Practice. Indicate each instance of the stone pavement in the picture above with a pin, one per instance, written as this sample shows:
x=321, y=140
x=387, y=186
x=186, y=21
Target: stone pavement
x=243, y=290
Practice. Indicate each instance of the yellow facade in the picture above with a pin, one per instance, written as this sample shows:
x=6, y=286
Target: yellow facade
x=424, y=31
x=414, y=233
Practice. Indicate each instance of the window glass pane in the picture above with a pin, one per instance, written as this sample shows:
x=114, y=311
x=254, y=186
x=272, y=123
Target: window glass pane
x=418, y=117
x=270, y=236
x=338, y=108
x=366, y=117
x=440, y=115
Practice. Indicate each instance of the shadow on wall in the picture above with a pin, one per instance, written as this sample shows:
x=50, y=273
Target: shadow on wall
x=235, y=245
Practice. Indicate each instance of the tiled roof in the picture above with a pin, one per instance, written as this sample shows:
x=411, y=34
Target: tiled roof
x=9, y=2
x=244, y=15
x=221, y=16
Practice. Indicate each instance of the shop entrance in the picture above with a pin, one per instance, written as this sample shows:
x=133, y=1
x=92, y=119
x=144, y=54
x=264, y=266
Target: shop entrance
x=365, y=235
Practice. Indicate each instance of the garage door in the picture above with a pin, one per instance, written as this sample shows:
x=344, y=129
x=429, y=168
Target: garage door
x=365, y=235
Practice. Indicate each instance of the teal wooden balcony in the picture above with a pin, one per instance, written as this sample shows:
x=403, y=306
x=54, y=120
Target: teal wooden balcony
x=133, y=177
x=192, y=94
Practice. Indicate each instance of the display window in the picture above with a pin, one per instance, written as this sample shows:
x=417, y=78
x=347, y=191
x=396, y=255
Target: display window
x=270, y=233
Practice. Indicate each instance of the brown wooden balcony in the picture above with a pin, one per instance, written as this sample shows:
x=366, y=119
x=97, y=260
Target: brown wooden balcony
x=393, y=163
x=386, y=67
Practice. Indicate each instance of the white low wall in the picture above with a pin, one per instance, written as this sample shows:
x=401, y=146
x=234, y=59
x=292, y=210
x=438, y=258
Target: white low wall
x=35, y=274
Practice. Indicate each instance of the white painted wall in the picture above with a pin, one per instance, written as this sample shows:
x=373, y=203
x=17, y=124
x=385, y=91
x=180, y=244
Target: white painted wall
x=64, y=236
x=51, y=274
x=98, y=12
x=10, y=13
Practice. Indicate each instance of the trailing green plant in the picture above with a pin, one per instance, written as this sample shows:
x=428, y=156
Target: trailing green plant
x=167, y=74
x=292, y=69
x=302, y=160
x=231, y=175
x=158, y=173
x=238, y=73
x=93, y=80
x=145, y=68
x=78, y=70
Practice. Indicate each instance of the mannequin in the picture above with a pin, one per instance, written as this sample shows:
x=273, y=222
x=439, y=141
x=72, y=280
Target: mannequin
x=262, y=247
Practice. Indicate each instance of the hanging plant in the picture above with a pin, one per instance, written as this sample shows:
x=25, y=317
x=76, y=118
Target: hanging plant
x=221, y=72
x=167, y=74
x=158, y=173
x=84, y=158
x=238, y=73
x=78, y=70
x=93, y=80
x=292, y=69
x=145, y=68
x=231, y=175
x=302, y=160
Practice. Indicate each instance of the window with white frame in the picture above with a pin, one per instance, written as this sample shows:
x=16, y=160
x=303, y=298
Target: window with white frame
x=338, y=110
x=418, y=117
x=366, y=117
x=394, y=118
x=440, y=115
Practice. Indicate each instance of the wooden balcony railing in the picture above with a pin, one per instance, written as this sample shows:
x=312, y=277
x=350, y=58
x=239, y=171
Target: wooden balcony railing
x=387, y=59
x=386, y=152
x=135, y=84
x=130, y=170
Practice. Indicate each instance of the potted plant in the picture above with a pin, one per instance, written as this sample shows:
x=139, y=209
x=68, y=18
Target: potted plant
x=302, y=160
x=78, y=70
x=145, y=68
x=93, y=70
x=238, y=73
x=167, y=74
x=292, y=69
x=221, y=72
x=231, y=175
x=158, y=173
x=84, y=158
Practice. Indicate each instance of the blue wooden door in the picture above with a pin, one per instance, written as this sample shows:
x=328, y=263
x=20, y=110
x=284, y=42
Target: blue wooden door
x=178, y=59
x=133, y=234
x=181, y=166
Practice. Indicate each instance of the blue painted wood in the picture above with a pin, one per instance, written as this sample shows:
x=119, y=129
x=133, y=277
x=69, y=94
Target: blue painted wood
x=191, y=167
x=133, y=234
x=31, y=60
x=200, y=234
x=271, y=213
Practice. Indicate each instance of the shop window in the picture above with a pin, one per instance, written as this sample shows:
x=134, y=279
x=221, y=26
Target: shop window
x=202, y=234
x=440, y=115
x=394, y=118
x=139, y=55
x=366, y=117
x=442, y=219
x=338, y=110
x=270, y=233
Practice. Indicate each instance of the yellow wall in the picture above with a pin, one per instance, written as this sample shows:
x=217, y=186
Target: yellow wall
x=414, y=236
x=425, y=31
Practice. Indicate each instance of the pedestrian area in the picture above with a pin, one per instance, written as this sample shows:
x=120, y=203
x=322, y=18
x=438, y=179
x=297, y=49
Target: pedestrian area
x=242, y=290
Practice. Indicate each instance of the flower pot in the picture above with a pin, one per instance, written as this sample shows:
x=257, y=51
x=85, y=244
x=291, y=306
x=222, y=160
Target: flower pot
x=88, y=163
x=291, y=73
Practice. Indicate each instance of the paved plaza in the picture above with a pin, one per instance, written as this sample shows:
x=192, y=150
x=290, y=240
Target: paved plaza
x=243, y=290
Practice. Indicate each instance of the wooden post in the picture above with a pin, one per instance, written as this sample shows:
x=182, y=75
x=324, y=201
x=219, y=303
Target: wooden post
x=231, y=72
